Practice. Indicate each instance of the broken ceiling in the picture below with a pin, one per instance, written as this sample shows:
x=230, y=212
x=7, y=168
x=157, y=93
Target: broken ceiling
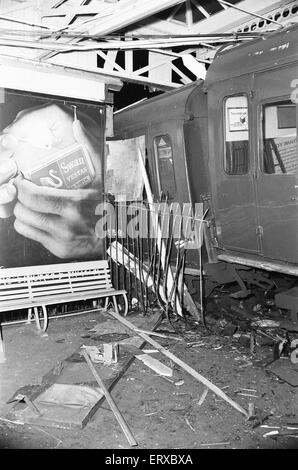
x=160, y=43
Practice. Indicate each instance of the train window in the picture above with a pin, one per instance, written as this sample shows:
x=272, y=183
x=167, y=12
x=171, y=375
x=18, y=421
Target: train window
x=280, y=154
x=236, y=135
x=165, y=163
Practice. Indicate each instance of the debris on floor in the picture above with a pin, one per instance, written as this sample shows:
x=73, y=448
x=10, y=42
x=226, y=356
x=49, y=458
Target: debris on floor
x=74, y=373
x=61, y=405
x=189, y=377
x=285, y=371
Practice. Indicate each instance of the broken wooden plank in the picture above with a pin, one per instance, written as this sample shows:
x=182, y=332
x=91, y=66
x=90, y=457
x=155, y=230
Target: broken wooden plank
x=149, y=361
x=113, y=406
x=181, y=363
x=203, y=397
x=121, y=255
x=160, y=335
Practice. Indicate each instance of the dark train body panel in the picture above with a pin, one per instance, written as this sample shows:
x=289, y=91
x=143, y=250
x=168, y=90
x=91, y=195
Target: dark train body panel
x=175, y=114
x=234, y=141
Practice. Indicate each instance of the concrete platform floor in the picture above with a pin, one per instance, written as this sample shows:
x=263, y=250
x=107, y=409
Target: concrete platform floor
x=160, y=414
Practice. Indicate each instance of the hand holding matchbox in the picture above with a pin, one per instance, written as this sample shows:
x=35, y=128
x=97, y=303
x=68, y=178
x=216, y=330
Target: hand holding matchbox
x=50, y=167
x=47, y=152
x=70, y=168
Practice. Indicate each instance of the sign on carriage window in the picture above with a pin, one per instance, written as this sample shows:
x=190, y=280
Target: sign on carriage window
x=165, y=165
x=236, y=135
x=50, y=179
x=280, y=154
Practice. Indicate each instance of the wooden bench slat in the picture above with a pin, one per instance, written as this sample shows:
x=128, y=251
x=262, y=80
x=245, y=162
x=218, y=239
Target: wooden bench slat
x=14, y=290
x=66, y=281
x=8, y=281
x=72, y=285
x=79, y=289
x=48, y=300
x=67, y=288
x=36, y=285
x=88, y=295
x=100, y=288
x=17, y=296
x=40, y=286
x=50, y=268
x=11, y=285
x=78, y=296
x=98, y=275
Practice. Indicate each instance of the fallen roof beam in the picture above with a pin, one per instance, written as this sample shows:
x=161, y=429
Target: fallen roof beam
x=122, y=45
x=127, y=13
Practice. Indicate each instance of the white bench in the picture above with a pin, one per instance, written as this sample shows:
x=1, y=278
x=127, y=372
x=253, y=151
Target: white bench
x=36, y=287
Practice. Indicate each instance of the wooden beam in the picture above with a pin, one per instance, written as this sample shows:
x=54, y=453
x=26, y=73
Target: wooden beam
x=225, y=20
x=189, y=18
x=126, y=13
x=68, y=61
x=181, y=363
x=174, y=11
x=113, y=406
x=110, y=61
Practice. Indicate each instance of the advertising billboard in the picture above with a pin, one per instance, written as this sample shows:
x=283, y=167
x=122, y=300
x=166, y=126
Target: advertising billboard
x=51, y=179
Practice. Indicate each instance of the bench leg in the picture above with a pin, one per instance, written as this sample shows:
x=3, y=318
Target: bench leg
x=115, y=304
x=45, y=318
x=106, y=303
x=2, y=351
x=126, y=305
x=125, y=302
x=30, y=316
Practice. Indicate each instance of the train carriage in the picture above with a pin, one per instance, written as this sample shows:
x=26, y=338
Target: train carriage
x=231, y=141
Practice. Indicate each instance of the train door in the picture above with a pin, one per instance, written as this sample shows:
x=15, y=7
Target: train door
x=232, y=165
x=168, y=155
x=277, y=175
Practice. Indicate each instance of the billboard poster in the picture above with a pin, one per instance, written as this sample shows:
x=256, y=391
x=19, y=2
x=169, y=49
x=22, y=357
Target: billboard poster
x=51, y=179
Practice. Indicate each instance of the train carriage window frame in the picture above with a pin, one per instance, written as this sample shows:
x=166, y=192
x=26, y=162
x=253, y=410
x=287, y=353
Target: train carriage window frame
x=279, y=151
x=236, y=135
x=163, y=142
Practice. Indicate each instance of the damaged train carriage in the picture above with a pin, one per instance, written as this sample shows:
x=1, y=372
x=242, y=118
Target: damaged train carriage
x=232, y=142
x=174, y=127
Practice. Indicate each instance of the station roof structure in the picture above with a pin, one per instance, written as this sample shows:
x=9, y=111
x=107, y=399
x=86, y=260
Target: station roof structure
x=161, y=44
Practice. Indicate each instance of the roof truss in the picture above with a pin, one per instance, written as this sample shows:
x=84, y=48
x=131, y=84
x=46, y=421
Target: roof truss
x=106, y=36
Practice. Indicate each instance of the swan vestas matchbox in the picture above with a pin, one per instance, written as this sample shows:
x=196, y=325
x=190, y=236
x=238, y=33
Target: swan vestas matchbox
x=70, y=168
